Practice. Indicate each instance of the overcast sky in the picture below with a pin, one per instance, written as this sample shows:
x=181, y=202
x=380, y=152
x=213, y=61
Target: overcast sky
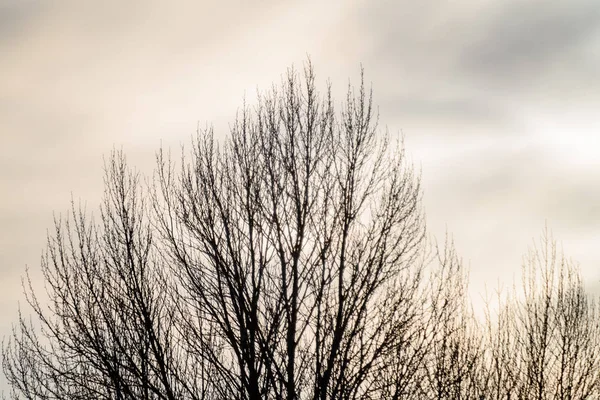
x=498, y=101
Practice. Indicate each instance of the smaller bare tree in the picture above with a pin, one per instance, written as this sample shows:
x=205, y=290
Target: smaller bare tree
x=105, y=330
x=545, y=341
x=451, y=363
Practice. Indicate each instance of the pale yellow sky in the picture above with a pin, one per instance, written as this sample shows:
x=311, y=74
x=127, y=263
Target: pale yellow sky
x=497, y=100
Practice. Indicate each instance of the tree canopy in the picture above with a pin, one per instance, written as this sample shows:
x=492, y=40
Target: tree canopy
x=288, y=261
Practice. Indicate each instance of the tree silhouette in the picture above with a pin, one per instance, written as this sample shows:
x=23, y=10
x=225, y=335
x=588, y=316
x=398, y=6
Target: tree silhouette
x=287, y=261
x=545, y=341
x=280, y=263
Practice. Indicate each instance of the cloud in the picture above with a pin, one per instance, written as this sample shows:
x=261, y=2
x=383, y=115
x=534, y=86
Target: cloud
x=527, y=182
x=490, y=96
x=16, y=16
x=446, y=113
x=497, y=57
x=497, y=101
x=78, y=78
x=519, y=41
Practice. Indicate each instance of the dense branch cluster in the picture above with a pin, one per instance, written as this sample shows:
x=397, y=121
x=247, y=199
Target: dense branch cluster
x=288, y=261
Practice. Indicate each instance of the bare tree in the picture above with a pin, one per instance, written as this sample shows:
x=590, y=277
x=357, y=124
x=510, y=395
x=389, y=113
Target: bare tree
x=544, y=343
x=298, y=240
x=106, y=327
x=287, y=262
x=453, y=353
x=280, y=263
x=500, y=378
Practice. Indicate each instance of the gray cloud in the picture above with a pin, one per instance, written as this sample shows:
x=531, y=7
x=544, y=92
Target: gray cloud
x=497, y=100
x=527, y=182
x=453, y=112
x=16, y=16
x=492, y=53
x=490, y=95
x=520, y=40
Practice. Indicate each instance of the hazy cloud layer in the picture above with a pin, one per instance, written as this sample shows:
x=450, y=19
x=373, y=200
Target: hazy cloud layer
x=529, y=40
x=498, y=102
